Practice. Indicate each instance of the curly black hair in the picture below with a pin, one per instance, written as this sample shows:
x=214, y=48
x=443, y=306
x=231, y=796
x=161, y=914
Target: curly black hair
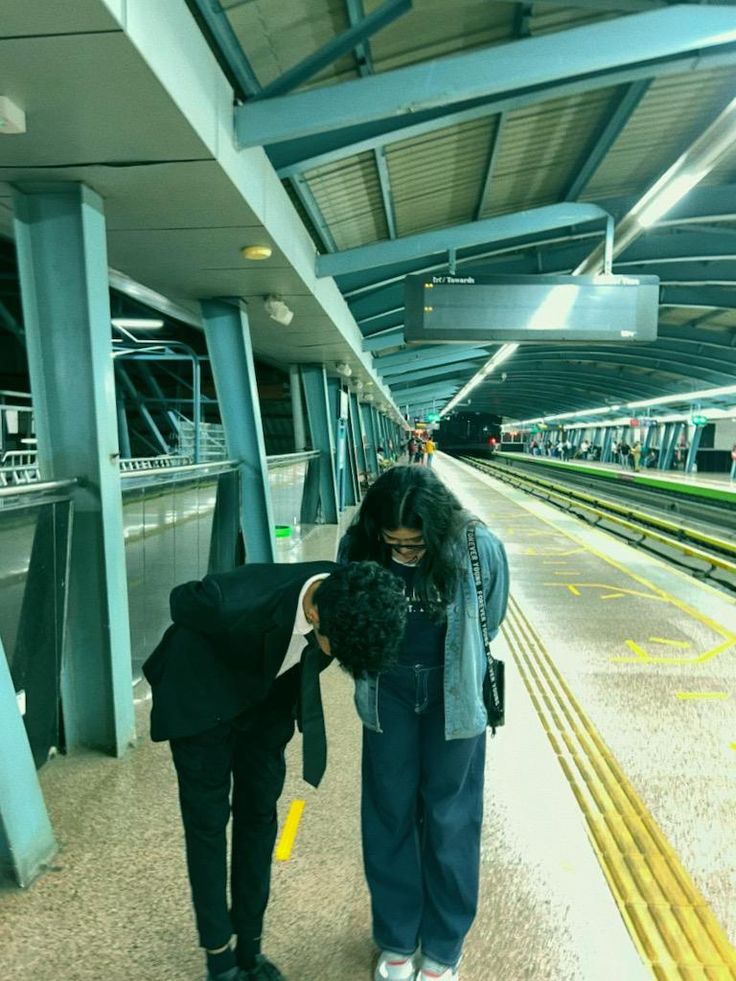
x=413, y=497
x=362, y=611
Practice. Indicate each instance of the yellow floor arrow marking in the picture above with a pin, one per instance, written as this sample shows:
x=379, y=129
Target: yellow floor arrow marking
x=612, y=596
x=291, y=826
x=655, y=593
x=573, y=589
x=682, y=644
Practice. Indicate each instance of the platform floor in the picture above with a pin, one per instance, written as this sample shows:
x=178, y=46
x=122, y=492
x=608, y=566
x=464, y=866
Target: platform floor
x=628, y=637
x=722, y=481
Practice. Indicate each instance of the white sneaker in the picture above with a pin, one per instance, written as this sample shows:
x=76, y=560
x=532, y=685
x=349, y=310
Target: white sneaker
x=432, y=971
x=394, y=967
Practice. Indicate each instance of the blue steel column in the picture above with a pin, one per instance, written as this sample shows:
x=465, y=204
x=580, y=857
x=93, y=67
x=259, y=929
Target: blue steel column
x=26, y=839
x=607, y=444
x=231, y=356
x=339, y=428
x=358, y=448
x=374, y=437
x=692, y=453
x=62, y=260
x=314, y=379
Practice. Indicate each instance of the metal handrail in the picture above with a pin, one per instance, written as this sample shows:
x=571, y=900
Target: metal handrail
x=284, y=459
x=221, y=465
x=44, y=487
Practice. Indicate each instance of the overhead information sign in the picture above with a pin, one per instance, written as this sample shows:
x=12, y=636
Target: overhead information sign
x=461, y=309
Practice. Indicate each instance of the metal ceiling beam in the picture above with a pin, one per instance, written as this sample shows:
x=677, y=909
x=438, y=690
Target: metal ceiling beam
x=607, y=136
x=490, y=164
x=510, y=226
x=652, y=361
x=231, y=55
x=438, y=373
x=334, y=49
x=622, y=6
x=579, y=53
x=403, y=394
x=304, y=192
x=557, y=252
x=384, y=339
x=712, y=298
x=384, y=181
x=364, y=61
x=423, y=356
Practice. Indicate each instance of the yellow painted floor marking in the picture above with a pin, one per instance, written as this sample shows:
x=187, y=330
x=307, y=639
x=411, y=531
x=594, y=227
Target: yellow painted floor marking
x=659, y=596
x=733, y=745
x=682, y=644
x=573, y=589
x=710, y=695
x=612, y=596
x=641, y=654
x=291, y=826
x=653, y=593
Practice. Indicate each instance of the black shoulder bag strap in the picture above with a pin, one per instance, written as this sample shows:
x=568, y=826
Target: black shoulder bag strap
x=496, y=706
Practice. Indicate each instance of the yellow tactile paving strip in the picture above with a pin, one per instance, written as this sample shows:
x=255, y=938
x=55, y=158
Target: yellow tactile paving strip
x=670, y=921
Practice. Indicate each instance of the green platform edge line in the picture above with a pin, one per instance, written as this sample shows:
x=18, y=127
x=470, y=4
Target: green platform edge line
x=687, y=490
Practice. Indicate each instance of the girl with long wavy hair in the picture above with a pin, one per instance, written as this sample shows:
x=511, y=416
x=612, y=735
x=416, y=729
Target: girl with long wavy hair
x=424, y=724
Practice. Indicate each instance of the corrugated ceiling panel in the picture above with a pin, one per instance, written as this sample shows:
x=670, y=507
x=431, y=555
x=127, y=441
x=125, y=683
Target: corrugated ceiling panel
x=349, y=196
x=434, y=28
x=436, y=178
x=548, y=19
x=673, y=113
x=542, y=149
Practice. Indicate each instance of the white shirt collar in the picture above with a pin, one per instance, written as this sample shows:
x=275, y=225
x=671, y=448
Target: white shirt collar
x=302, y=626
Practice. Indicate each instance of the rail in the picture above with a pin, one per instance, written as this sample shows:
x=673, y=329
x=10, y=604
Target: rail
x=39, y=487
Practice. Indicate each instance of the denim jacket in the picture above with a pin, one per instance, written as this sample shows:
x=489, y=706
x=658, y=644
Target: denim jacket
x=465, y=657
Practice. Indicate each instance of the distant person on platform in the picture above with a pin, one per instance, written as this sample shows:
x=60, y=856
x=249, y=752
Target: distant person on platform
x=239, y=664
x=429, y=448
x=636, y=455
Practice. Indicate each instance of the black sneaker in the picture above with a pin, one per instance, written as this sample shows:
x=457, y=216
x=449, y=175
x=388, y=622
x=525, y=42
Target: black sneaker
x=263, y=970
x=234, y=974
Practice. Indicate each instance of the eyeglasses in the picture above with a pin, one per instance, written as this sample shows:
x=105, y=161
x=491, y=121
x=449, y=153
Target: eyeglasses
x=401, y=547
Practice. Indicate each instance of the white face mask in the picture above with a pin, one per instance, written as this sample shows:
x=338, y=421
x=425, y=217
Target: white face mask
x=411, y=562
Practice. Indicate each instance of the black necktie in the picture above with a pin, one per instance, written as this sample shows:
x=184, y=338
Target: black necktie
x=314, y=747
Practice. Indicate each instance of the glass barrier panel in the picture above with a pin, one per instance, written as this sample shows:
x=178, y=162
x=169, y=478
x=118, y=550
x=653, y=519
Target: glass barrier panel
x=167, y=531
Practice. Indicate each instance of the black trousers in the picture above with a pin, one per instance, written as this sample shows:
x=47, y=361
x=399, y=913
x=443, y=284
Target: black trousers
x=242, y=761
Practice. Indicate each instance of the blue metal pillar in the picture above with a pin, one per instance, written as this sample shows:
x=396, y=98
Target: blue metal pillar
x=338, y=421
x=297, y=411
x=692, y=453
x=607, y=445
x=62, y=260
x=371, y=428
x=26, y=839
x=356, y=429
x=647, y=439
x=314, y=379
x=664, y=447
x=231, y=356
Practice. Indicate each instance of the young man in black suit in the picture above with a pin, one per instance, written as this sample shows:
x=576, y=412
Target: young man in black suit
x=239, y=664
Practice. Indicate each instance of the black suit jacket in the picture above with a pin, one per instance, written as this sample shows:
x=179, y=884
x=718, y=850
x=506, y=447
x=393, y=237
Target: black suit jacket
x=223, y=651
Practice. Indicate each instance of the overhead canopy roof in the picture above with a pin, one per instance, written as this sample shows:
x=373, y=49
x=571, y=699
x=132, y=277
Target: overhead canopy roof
x=399, y=129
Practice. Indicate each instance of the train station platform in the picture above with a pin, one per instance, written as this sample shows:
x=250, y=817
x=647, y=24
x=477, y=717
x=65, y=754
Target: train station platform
x=608, y=852
x=718, y=482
